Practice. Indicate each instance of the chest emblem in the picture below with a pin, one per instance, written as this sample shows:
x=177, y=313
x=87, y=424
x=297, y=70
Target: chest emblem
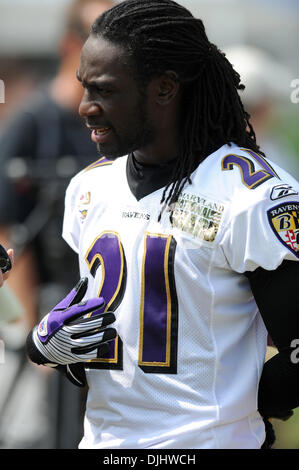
x=197, y=216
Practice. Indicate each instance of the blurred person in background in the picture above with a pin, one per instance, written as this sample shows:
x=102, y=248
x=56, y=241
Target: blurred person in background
x=267, y=88
x=45, y=141
x=46, y=130
x=10, y=308
x=19, y=79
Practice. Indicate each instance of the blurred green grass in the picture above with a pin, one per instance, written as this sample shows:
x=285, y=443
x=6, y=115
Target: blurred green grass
x=287, y=432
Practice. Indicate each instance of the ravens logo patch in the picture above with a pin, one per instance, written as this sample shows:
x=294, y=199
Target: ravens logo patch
x=284, y=221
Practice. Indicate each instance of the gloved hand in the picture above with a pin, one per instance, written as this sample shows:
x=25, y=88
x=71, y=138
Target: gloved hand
x=68, y=335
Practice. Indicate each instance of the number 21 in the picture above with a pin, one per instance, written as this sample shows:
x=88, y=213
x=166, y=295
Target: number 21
x=250, y=177
x=158, y=301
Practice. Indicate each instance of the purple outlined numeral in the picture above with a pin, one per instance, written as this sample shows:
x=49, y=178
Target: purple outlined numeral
x=158, y=310
x=158, y=331
x=250, y=177
x=107, y=252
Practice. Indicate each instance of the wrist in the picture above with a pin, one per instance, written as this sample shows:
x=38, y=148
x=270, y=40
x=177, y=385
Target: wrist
x=34, y=350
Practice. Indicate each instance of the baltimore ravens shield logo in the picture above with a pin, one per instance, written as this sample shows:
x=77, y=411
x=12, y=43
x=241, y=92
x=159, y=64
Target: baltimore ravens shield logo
x=284, y=221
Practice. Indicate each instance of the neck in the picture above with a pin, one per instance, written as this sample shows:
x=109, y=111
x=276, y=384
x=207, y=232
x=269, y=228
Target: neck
x=156, y=156
x=163, y=150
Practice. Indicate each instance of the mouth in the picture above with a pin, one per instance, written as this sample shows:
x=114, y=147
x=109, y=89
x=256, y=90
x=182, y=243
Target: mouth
x=99, y=134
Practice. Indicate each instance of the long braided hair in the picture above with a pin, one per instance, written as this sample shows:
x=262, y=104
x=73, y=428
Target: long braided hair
x=161, y=35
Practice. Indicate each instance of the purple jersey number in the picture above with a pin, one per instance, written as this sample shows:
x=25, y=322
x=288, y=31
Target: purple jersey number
x=158, y=309
x=250, y=177
x=107, y=251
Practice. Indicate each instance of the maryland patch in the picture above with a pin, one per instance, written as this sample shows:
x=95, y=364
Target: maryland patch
x=284, y=221
x=197, y=216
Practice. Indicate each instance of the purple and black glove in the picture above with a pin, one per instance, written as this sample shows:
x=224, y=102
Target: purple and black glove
x=68, y=335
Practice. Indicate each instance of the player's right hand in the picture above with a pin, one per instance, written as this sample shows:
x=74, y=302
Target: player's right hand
x=68, y=334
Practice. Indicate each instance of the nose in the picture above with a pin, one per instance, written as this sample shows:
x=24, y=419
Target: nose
x=88, y=108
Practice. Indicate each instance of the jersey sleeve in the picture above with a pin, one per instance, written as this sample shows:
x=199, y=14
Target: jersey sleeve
x=263, y=227
x=71, y=226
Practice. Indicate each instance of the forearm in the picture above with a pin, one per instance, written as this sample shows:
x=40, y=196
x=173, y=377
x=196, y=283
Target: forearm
x=279, y=385
x=276, y=295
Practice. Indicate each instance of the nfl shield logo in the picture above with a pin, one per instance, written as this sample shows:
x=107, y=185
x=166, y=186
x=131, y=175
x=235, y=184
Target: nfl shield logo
x=284, y=221
x=42, y=328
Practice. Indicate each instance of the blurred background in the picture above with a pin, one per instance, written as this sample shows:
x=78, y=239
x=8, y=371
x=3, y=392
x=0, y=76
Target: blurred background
x=43, y=143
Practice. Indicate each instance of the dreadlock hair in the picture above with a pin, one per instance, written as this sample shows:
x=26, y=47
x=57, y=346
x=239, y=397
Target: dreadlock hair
x=161, y=35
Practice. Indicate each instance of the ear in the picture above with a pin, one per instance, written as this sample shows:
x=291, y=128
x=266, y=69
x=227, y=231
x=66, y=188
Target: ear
x=167, y=87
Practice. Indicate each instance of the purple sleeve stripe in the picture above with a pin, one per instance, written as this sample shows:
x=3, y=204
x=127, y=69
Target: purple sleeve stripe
x=101, y=162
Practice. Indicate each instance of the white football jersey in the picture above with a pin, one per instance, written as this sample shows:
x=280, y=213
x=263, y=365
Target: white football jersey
x=185, y=368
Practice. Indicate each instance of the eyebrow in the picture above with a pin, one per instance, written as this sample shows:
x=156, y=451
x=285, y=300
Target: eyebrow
x=99, y=83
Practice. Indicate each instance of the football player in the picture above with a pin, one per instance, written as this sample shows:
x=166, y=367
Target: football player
x=187, y=238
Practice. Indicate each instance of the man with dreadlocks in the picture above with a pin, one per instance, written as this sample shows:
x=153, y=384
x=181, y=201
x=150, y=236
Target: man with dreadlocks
x=187, y=239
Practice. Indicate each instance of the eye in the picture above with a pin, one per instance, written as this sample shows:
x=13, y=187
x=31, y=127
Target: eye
x=104, y=91
x=99, y=90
